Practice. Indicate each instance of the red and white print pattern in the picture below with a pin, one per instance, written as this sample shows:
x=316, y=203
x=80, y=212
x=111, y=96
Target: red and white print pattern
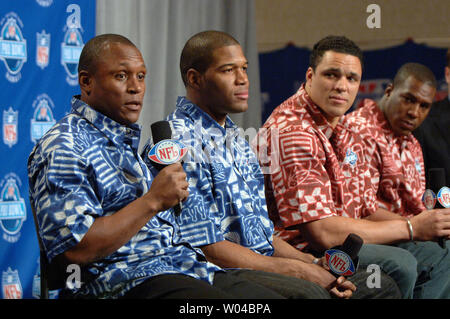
x=321, y=173
x=396, y=161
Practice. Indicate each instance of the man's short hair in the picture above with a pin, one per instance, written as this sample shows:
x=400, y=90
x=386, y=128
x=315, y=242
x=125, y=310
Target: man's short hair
x=93, y=48
x=197, y=52
x=419, y=71
x=339, y=44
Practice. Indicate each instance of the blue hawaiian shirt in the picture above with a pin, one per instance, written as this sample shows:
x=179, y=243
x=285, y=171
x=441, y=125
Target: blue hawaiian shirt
x=88, y=166
x=226, y=185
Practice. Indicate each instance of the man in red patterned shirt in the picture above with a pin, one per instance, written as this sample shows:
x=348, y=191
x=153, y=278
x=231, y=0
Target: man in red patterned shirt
x=395, y=155
x=396, y=160
x=319, y=186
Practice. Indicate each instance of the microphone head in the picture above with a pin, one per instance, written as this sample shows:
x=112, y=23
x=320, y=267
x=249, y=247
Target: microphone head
x=161, y=131
x=352, y=245
x=165, y=151
x=343, y=260
x=429, y=199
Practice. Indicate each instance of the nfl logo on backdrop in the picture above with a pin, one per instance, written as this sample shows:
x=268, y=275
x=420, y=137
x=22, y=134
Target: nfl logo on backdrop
x=42, y=49
x=13, y=47
x=10, y=126
x=11, y=286
x=43, y=118
x=70, y=54
x=167, y=152
x=13, y=212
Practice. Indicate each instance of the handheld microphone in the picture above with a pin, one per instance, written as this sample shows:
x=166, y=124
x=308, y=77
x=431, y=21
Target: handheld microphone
x=165, y=150
x=437, y=195
x=343, y=260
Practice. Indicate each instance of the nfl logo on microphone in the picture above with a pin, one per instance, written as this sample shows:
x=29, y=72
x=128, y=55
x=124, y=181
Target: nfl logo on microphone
x=444, y=196
x=167, y=152
x=339, y=262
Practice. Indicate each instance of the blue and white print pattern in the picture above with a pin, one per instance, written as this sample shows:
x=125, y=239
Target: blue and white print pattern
x=226, y=185
x=88, y=166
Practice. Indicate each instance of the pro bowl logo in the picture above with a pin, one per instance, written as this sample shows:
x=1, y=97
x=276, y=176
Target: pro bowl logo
x=10, y=121
x=44, y=3
x=11, y=286
x=70, y=54
x=443, y=196
x=350, y=157
x=339, y=262
x=418, y=166
x=13, y=211
x=13, y=47
x=167, y=152
x=43, y=118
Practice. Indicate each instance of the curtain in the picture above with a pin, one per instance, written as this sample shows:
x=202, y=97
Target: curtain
x=160, y=28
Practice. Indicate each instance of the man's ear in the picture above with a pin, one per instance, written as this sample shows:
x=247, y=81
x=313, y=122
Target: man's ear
x=389, y=89
x=85, y=82
x=309, y=74
x=193, y=78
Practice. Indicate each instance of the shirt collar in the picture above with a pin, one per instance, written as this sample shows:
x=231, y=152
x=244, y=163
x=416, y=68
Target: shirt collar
x=382, y=122
x=114, y=131
x=195, y=113
x=316, y=114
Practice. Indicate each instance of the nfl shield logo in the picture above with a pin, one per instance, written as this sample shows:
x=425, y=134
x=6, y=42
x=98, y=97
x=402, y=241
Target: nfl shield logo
x=444, y=197
x=429, y=199
x=10, y=127
x=167, y=152
x=11, y=287
x=42, y=49
x=339, y=262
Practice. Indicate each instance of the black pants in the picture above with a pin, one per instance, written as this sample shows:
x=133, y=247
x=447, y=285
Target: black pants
x=226, y=286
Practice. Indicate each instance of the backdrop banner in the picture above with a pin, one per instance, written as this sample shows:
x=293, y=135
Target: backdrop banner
x=282, y=71
x=40, y=44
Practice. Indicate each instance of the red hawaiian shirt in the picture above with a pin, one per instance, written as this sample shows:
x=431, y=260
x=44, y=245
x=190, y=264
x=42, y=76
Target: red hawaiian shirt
x=312, y=171
x=396, y=161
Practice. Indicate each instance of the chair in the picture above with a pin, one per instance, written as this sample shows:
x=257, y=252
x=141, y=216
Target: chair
x=51, y=275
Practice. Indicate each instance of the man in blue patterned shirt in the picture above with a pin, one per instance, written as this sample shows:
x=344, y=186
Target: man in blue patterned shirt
x=226, y=214
x=100, y=207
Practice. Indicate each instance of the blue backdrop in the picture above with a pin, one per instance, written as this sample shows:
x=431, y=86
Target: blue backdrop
x=282, y=71
x=40, y=42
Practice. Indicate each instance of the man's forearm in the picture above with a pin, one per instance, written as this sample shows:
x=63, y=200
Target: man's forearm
x=383, y=214
x=284, y=249
x=332, y=231
x=230, y=255
x=108, y=233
